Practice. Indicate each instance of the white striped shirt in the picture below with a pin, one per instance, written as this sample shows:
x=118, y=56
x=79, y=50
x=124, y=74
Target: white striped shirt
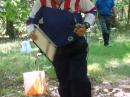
x=85, y=6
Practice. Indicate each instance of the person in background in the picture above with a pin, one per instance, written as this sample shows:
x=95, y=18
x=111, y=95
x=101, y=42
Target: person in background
x=25, y=46
x=105, y=8
x=62, y=22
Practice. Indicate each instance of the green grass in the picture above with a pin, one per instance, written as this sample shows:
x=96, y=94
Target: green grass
x=13, y=64
x=111, y=63
x=12, y=60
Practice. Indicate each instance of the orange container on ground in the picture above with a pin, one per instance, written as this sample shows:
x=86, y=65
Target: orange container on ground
x=34, y=83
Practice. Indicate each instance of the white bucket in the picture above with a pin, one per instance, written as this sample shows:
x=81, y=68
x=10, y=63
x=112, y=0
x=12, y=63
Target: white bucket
x=26, y=47
x=34, y=83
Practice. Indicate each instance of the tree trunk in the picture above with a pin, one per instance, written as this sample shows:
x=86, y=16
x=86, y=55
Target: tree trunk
x=128, y=22
x=10, y=29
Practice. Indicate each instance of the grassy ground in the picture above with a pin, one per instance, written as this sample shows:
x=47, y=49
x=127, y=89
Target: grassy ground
x=111, y=63
x=13, y=64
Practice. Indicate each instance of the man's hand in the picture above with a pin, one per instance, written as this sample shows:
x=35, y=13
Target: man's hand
x=33, y=36
x=30, y=28
x=31, y=33
x=80, y=29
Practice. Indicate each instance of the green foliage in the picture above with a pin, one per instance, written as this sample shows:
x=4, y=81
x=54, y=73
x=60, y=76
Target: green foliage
x=15, y=10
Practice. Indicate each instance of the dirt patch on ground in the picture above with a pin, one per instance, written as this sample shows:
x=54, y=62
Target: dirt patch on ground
x=119, y=88
x=11, y=86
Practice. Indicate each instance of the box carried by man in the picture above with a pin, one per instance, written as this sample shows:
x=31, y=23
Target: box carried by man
x=43, y=42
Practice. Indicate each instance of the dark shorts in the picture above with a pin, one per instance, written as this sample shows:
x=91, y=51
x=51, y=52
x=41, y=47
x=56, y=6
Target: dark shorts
x=71, y=69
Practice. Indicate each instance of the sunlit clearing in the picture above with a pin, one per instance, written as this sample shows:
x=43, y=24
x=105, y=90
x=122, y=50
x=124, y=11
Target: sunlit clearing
x=4, y=51
x=96, y=71
x=128, y=55
x=126, y=60
x=8, y=46
x=112, y=63
x=121, y=38
x=95, y=67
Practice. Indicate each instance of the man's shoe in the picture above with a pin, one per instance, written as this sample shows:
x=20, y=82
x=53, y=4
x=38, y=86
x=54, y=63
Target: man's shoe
x=107, y=45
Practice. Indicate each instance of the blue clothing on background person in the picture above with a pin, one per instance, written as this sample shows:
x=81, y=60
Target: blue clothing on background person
x=105, y=8
x=62, y=22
